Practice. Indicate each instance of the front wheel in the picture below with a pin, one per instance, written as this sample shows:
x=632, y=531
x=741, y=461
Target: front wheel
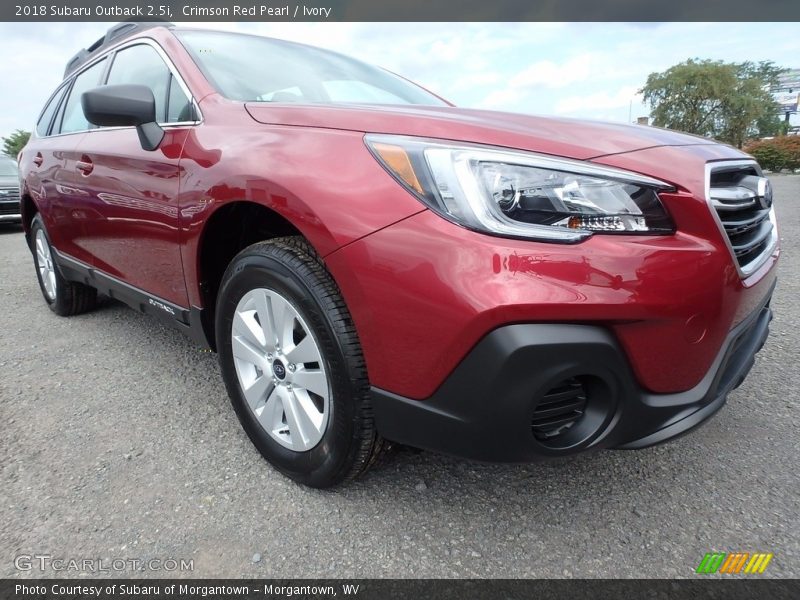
x=292, y=364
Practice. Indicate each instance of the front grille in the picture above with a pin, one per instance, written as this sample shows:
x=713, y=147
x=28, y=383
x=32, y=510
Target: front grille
x=9, y=208
x=743, y=202
x=559, y=409
x=9, y=200
x=9, y=193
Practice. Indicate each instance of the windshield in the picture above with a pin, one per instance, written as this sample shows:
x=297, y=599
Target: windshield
x=255, y=69
x=8, y=168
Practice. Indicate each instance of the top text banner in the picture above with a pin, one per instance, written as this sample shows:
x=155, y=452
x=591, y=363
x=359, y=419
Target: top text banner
x=400, y=10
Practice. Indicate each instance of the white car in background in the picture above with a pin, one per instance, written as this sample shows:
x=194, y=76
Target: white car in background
x=9, y=191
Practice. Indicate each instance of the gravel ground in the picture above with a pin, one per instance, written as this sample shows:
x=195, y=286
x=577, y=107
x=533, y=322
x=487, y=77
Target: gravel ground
x=118, y=441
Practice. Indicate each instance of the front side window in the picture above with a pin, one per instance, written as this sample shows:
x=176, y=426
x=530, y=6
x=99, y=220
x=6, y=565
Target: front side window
x=73, y=118
x=142, y=65
x=255, y=69
x=179, y=107
x=43, y=126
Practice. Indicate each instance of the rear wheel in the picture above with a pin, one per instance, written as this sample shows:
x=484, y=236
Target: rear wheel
x=292, y=364
x=64, y=297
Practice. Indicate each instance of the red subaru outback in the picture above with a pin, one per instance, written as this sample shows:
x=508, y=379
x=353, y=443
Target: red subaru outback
x=372, y=263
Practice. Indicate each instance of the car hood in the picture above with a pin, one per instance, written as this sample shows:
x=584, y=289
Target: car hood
x=571, y=138
x=9, y=181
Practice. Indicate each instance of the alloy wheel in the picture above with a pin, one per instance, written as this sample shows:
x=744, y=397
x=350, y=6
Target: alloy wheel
x=280, y=369
x=44, y=260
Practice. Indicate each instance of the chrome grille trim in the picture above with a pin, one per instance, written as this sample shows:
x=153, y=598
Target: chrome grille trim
x=749, y=231
x=732, y=198
x=10, y=197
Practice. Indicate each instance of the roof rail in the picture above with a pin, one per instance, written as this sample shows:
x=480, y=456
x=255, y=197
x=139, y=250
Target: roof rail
x=114, y=34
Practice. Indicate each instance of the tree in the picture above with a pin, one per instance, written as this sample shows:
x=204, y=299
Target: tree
x=728, y=101
x=13, y=144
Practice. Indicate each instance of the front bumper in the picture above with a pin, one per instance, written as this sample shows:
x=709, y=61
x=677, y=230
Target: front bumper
x=485, y=408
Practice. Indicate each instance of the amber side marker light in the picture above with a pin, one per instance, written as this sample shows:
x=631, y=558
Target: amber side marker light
x=397, y=160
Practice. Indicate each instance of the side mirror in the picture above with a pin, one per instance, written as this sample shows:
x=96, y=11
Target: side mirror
x=123, y=106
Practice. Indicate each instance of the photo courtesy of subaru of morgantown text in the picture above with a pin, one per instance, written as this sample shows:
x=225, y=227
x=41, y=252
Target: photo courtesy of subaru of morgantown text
x=374, y=265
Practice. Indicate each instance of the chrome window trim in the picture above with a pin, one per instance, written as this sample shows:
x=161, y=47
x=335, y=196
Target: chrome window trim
x=758, y=262
x=65, y=86
x=110, y=54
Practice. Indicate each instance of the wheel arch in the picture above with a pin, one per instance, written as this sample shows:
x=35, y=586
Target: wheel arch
x=28, y=209
x=231, y=228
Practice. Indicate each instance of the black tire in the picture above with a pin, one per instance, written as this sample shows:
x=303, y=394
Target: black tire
x=350, y=443
x=71, y=297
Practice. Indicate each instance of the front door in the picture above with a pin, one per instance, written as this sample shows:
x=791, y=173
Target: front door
x=132, y=194
x=54, y=182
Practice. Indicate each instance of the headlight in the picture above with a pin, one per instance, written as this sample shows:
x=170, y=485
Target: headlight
x=523, y=195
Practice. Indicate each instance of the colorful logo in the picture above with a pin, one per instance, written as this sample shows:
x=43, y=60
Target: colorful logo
x=734, y=562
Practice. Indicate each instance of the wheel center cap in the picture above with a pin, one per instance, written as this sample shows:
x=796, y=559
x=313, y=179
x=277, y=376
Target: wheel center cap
x=279, y=370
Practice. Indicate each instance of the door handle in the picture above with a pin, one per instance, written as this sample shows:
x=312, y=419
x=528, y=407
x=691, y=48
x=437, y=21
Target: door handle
x=84, y=165
x=38, y=159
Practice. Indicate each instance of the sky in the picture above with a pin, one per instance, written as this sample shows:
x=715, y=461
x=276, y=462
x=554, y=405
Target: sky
x=586, y=70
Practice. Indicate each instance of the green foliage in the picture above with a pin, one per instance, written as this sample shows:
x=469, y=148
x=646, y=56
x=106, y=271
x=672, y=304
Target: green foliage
x=13, y=144
x=727, y=101
x=778, y=153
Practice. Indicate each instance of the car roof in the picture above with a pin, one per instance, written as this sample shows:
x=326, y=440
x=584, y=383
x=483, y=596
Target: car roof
x=129, y=29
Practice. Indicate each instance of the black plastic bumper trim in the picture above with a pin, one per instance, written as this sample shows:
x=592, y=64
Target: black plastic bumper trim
x=186, y=320
x=483, y=410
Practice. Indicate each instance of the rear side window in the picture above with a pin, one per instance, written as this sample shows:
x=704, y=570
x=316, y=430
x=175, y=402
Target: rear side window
x=43, y=126
x=142, y=65
x=74, y=119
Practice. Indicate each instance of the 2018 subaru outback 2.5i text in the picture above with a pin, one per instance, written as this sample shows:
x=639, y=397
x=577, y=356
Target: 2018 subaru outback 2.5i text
x=372, y=263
